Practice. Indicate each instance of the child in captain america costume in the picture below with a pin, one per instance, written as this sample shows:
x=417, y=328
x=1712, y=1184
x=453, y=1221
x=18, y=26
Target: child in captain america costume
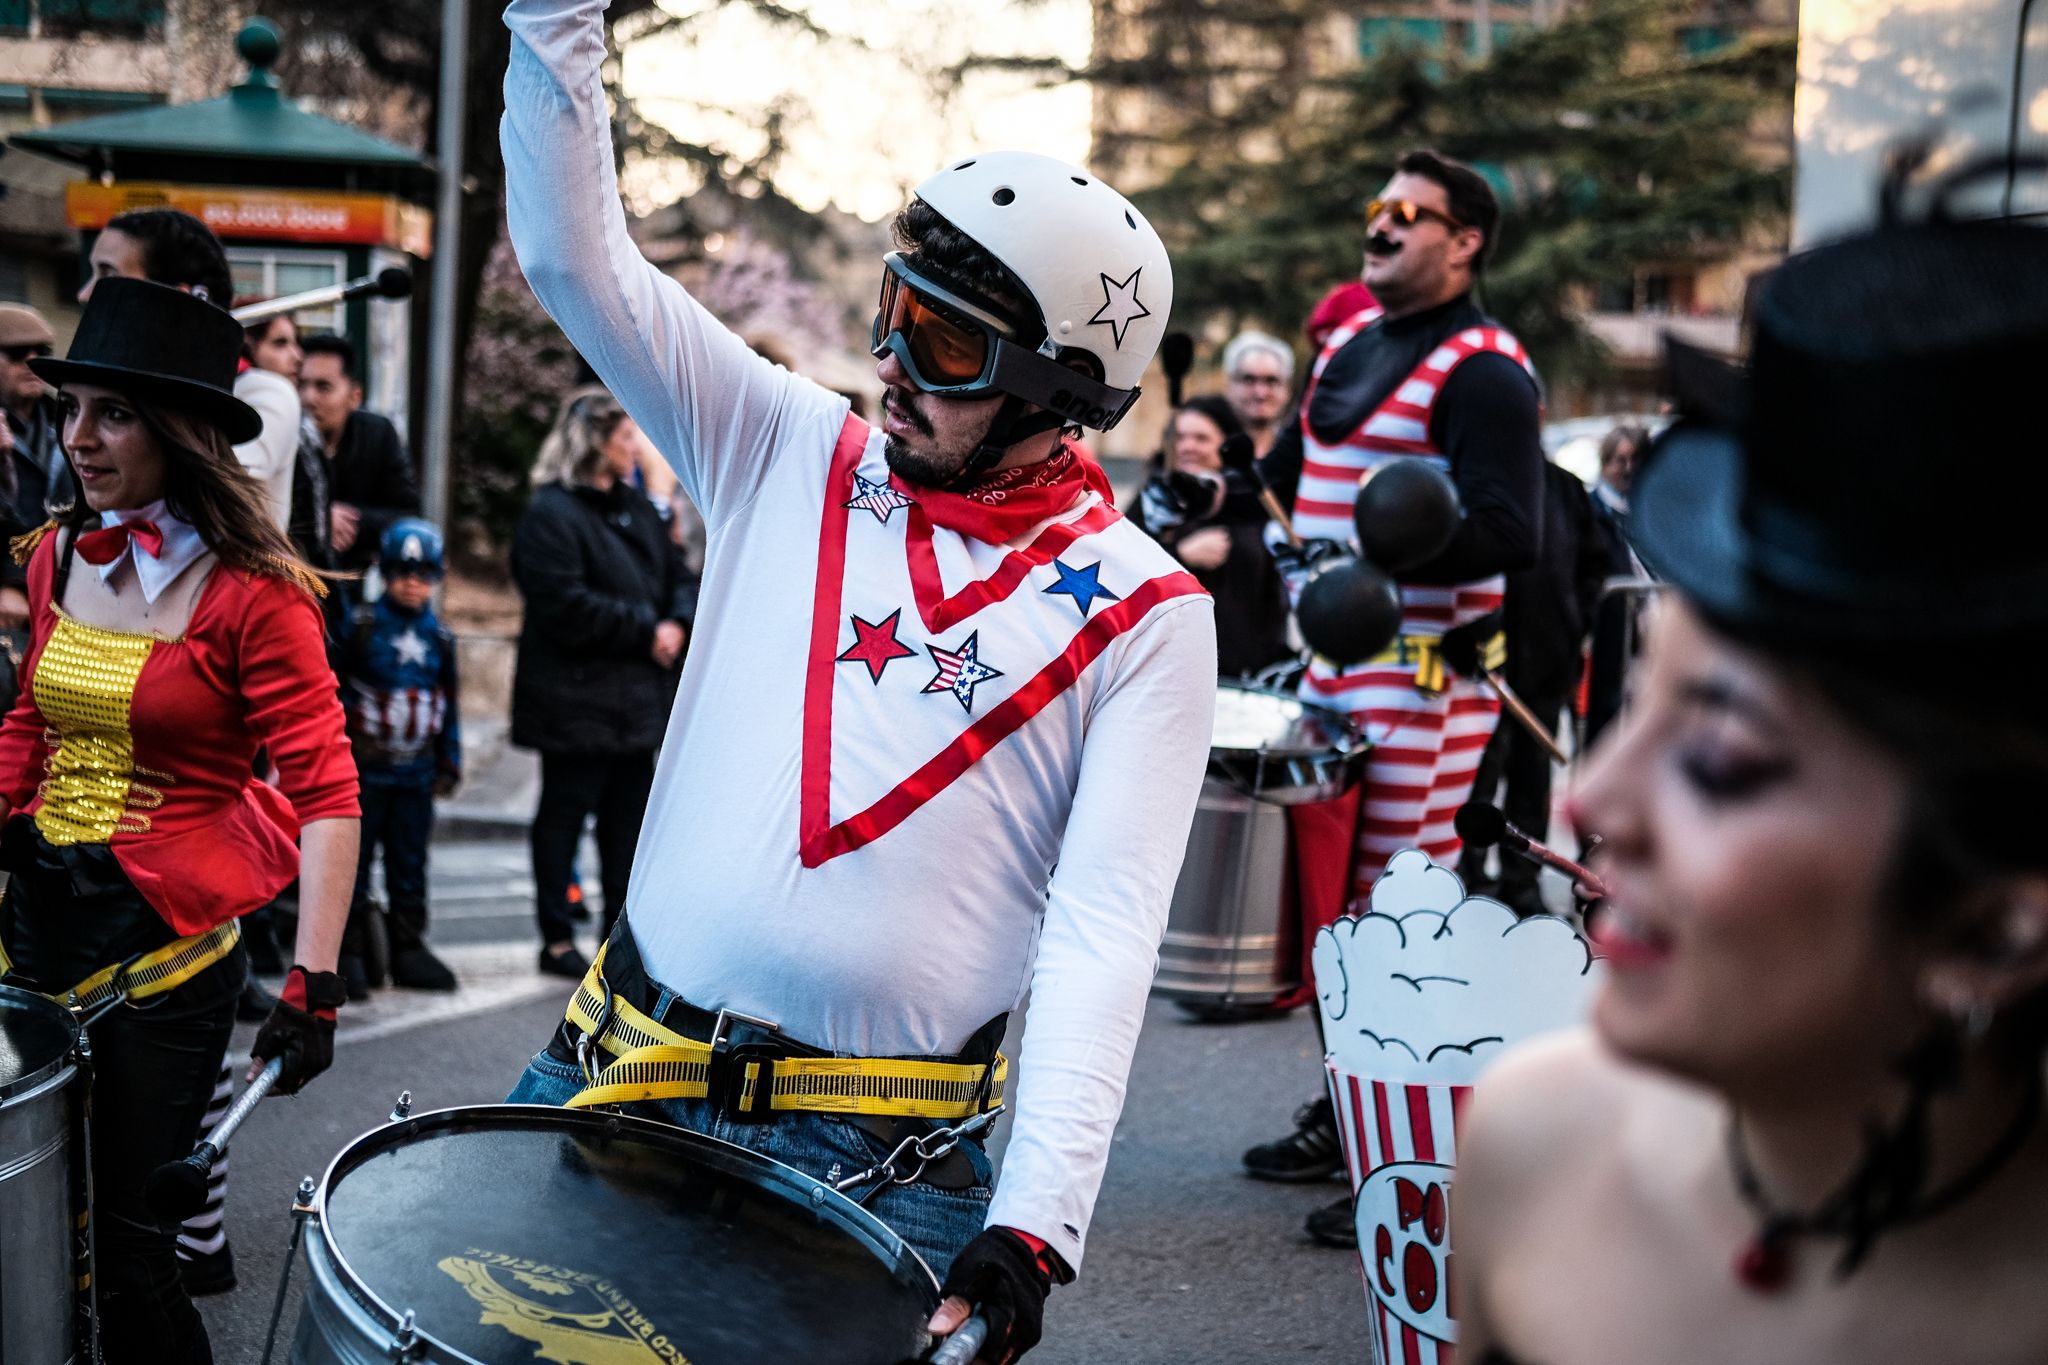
x=396, y=664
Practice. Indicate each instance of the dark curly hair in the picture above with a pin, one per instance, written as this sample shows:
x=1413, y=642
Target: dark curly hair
x=935, y=247
x=179, y=250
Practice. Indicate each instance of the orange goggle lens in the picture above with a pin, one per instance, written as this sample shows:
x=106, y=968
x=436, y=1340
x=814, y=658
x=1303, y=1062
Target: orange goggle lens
x=1407, y=213
x=947, y=349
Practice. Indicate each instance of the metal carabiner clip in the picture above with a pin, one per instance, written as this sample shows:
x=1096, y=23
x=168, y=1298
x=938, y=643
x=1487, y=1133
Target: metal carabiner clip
x=587, y=1042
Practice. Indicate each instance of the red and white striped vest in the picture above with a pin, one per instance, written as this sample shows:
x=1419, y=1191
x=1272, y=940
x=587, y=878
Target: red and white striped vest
x=1399, y=427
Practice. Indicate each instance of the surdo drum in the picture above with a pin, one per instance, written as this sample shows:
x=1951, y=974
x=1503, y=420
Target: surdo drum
x=45, y=1247
x=1225, y=949
x=510, y=1233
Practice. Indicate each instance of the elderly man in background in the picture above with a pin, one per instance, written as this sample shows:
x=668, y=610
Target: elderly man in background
x=33, y=474
x=1258, y=382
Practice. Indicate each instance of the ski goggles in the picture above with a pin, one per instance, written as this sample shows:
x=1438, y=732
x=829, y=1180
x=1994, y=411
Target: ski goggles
x=951, y=345
x=1407, y=213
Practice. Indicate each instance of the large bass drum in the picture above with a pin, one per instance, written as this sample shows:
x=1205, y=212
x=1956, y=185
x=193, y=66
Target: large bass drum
x=509, y=1233
x=45, y=1265
x=1226, y=951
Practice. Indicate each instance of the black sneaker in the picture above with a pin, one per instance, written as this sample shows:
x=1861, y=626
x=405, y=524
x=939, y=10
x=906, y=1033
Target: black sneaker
x=1311, y=1152
x=354, y=975
x=416, y=968
x=1333, y=1225
x=204, y=1273
x=569, y=963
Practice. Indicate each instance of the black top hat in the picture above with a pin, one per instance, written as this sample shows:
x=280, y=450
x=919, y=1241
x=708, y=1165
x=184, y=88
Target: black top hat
x=162, y=345
x=1879, y=474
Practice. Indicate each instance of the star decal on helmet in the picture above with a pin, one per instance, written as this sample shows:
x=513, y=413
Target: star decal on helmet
x=1121, y=305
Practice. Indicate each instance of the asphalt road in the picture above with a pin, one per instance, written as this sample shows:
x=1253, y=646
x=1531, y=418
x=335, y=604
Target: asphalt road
x=1188, y=1261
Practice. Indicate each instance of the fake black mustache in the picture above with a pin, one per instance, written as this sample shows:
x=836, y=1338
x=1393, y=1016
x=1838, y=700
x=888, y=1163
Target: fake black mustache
x=1379, y=244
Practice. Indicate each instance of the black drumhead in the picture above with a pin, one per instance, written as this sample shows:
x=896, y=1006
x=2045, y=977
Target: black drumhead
x=515, y=1234
x=36, y=1035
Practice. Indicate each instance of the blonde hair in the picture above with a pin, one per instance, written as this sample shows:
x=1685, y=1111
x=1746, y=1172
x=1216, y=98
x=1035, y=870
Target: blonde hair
x=574, y=449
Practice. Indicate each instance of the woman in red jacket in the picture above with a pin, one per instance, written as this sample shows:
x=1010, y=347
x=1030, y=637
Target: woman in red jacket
x=173, y=633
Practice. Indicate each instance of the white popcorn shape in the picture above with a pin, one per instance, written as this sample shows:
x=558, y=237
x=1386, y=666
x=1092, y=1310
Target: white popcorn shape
x=1432, y=985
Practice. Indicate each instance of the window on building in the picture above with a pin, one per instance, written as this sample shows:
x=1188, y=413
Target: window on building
x=13, y=278
x=103, y=18
x=270, y=272
x=1704, y=40
x=13, y=16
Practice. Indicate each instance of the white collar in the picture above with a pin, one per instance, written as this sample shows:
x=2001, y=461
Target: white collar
x=181, y=549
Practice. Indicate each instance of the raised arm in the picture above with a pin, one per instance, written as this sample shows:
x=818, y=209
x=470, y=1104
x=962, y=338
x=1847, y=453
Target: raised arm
x=713, y=408
x=1148, y=742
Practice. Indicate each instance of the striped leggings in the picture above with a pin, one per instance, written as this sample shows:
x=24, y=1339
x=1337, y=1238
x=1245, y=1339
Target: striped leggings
x=204, y=1233
x=1426, y=752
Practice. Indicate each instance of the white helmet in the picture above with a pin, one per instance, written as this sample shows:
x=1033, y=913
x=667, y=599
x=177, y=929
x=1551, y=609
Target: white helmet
x=1096, y=272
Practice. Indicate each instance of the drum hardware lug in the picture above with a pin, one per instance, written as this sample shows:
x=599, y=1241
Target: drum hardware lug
x=402, y=1109
x=304, y=1203
x=407, y=1344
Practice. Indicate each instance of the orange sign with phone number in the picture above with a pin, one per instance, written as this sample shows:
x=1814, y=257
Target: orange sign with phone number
x=240, y=214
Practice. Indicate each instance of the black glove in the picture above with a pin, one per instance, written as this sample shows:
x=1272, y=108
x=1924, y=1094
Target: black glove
x=1294, y=562
x=300, y=1028
x=1004, y=1279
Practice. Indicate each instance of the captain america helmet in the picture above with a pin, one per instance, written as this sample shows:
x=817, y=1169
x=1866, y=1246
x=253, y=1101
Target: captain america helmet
x=411, y=544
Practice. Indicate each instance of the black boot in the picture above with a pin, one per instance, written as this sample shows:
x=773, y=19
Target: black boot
x=1311, y=1152
x=1333, y=1225
x=416, y=968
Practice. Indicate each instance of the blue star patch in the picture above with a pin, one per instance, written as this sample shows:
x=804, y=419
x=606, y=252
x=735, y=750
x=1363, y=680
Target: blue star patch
x=1083, y=585
x=880, y=498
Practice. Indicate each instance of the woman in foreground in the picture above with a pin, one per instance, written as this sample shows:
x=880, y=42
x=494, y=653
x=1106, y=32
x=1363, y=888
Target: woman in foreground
x=1806, y=1124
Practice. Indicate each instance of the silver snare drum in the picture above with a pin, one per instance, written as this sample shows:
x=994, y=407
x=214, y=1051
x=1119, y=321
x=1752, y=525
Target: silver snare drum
x=510, y=1233
x=1226, y=948
x=43, y=1254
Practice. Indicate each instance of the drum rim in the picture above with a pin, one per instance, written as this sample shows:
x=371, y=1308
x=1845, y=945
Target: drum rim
x=56, y=1066
x=1352, y=741
x=857, y=1220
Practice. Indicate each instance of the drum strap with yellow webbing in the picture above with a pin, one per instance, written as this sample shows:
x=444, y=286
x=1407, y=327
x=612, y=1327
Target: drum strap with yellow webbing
x=152, y=973
x=755, y=1082
x=1426, y=652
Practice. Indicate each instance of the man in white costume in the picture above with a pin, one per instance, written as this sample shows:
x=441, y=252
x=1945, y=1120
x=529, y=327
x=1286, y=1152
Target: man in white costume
x=946, y=713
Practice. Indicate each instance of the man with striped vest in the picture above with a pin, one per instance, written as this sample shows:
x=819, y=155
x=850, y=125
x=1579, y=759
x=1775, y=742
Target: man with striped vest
x=1424, y=372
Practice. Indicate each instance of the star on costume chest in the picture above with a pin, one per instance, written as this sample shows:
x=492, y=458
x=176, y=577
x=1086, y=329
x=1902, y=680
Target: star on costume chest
x=411, y=648
x=875, y=645
x=881, y=498
x=960, y=671
x=1083, y=585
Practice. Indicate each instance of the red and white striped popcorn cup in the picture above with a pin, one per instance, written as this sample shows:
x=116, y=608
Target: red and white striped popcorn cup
x=1400, y=1147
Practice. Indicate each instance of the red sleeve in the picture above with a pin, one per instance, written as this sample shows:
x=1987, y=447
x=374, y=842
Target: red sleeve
x=22, y=751
x=293, y=709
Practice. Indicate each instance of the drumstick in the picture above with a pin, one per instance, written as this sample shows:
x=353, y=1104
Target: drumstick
x=966, y=1343
x=177, y=1189
x=1521, y=712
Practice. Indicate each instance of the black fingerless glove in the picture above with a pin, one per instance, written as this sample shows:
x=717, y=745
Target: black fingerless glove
x=300, y=1028
x=1005, y=1279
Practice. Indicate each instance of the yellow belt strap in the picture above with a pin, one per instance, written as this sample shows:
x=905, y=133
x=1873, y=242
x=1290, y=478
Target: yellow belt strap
x=159, y=970
x=653, y=1062
x=1426, y=653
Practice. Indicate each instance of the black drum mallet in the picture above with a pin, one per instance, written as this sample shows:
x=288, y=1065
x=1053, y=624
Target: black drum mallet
x=1176, y=357
x=1483, y=826
x=392, y=282
x=964, y=1345
x=177, y=1189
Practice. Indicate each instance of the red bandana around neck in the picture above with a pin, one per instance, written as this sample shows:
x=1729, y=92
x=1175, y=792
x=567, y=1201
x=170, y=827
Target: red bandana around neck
x=1012, y=501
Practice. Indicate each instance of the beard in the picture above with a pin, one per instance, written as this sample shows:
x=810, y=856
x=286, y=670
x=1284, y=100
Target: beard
x=930, y=469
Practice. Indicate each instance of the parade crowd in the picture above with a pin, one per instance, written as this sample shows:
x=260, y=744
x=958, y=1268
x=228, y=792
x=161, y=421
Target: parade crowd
x=946, y=719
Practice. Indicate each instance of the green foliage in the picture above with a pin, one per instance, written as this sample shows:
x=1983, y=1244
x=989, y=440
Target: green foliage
x=1614, y=146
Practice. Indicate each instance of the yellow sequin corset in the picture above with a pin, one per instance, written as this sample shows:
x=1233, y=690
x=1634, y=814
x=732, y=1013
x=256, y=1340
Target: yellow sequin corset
x=92, y=787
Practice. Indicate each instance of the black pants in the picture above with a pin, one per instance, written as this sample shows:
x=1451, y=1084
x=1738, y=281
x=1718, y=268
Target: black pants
x=573, y=787
x=400, y=820
x=154, y=1067
x=1514, y=757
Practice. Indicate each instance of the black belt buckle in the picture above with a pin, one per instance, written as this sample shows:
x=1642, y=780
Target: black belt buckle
x=726, y=1074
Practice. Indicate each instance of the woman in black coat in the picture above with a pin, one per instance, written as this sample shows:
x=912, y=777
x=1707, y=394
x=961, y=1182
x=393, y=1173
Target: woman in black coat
x=608, y=609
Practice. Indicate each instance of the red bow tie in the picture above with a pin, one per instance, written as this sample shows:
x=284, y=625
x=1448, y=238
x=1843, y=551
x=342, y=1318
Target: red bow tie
x=104, y=546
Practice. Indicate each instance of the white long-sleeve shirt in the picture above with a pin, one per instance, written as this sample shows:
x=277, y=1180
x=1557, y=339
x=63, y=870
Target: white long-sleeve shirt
x=274, y=454
x=871, y=771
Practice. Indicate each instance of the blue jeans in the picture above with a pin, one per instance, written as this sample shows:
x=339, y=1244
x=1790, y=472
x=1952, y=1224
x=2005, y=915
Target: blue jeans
x=937, y=1223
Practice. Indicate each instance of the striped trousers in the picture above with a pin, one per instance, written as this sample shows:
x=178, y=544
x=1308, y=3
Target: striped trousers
x=1426, y=753
x=204, y=1233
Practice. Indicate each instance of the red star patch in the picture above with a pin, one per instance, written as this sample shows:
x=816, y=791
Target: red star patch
x=875, y=644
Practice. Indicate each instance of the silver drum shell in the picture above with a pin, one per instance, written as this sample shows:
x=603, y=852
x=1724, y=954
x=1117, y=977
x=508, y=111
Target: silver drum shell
x=38, y=1203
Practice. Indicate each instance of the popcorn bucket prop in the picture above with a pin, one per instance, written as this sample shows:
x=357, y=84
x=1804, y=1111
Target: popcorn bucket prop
x=1418, y=995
